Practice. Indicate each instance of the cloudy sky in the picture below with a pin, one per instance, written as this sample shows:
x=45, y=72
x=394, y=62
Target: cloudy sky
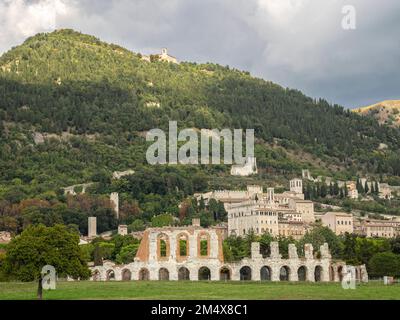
x=297, y=43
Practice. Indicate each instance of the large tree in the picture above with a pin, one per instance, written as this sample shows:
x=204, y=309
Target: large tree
x=39, y=246
x=385, y=264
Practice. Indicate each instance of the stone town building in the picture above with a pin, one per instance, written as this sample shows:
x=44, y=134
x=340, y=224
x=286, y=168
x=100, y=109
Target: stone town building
x=194, y=253
x=123, y=229
x=378, y=228
x=338, y=222
x=254, y=192
x=303, y=207
x=278, y=214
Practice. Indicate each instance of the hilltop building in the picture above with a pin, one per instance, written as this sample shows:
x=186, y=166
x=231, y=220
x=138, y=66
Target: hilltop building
x=163, y=56
x=378, y=228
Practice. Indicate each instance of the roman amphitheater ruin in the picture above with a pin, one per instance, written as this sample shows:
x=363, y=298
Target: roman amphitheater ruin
x=195, y=253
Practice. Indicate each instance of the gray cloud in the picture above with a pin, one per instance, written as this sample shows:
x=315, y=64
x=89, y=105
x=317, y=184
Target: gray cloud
x=296, y=43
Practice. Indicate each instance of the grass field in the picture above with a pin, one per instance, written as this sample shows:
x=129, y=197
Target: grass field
x=199, y=290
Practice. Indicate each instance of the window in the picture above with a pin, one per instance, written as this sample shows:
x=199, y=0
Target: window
x=183, y=247
x=163, y=248
x=204, y=247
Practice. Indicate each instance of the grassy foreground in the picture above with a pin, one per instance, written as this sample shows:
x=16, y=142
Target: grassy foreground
x=144, y=290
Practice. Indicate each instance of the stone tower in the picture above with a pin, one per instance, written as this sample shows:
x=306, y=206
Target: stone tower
x=296, y=185
x=92, y=227
x=271, y=195
x=114, y=199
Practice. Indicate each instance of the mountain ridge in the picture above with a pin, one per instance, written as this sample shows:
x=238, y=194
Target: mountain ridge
x=66, y=81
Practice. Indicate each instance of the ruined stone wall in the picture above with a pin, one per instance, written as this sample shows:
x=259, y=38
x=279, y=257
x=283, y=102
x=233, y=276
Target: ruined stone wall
x=150, y=265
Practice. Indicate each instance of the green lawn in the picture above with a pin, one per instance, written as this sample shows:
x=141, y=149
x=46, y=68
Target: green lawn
x=199, y=290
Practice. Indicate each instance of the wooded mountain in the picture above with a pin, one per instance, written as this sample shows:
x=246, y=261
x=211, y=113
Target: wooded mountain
x=73, y=109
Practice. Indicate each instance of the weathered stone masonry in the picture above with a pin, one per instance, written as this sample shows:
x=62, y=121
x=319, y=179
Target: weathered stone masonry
x=194, y=253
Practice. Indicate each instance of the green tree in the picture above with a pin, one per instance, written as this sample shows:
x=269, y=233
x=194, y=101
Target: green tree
x=384, y=264
x=39, y=246
x=162, y=220
x=137, y=225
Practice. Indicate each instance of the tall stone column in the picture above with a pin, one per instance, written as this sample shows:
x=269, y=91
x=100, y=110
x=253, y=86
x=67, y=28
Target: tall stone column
x=275, y=250
x=255, y=251
x=275, y=272
x=293, y=251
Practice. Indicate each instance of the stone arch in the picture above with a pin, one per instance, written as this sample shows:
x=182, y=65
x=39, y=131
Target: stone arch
x=163, y=246
x=265, y=273
x=318, y=274
x=96, y=275
x=183, y=274
x=126, y=275
x=203, y=244
x=204, y=273
x=331, y=273
x=225, y=274
x=284, y=273
x=182, y=245
x=302, y=273
x=245, y=273
x=358, y=274
x=144, y=274
x=110, y=275
x=163, y=274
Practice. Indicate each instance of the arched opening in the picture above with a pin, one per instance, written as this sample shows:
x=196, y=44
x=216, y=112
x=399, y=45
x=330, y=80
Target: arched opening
x=302, y=273
x=284, y=273
x=340, y=273
x=163, y=246
x=96, y=275
x=265, y=273
x=204, y=273
x=163, y=274
x=204, y=249
x=318, y=273
x=331, y=274
x=245, y=273
x=144, y=274
x=225, y=274
x=126, y=275
x=183, y=274
x=110, y=275
x=183, y=249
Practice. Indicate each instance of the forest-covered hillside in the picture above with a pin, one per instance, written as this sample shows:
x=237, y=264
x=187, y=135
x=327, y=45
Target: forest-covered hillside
x=73, y=109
